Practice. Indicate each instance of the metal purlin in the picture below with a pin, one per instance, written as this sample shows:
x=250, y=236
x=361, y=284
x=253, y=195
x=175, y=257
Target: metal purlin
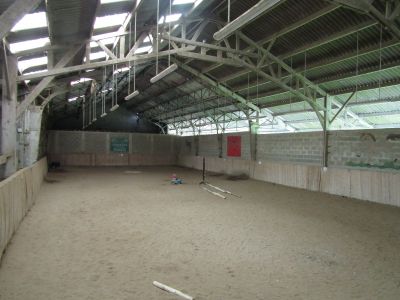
x=157, y=39
x=169, y=35
x=83, y=113
x=134, y=62
x=380, y=61
x=103, y=95
x=129, y=63
x=357, y=65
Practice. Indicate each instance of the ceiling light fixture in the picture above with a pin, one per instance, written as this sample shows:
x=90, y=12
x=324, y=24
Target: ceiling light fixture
x=164, y=73
x=115, y=107
x=132, y=95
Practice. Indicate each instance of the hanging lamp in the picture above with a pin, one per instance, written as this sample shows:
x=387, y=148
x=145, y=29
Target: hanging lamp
x=135, y=91
x=173, y=67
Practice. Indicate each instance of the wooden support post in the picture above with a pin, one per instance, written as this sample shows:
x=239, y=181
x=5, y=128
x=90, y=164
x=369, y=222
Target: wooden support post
x=34, y=125
x=9, y=116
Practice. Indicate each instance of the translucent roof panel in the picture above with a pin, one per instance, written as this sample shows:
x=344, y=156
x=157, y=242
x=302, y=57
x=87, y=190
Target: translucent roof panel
x=179, y=2
x=33, y=62
x=112, y=1
x=109, y=21
x=31, y=21
x=28, y=45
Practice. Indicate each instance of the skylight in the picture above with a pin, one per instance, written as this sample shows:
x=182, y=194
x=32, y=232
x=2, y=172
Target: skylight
x=107, y=41
x=178, y=2
x=28, y=45
x=197, y=3
x=169, y=18
x=112, y=1
x=148, y=39
x=33, y=62
x=82, y=80
x=34, y=72
x=143, y=49
x=111, y=20
x=106, y=35
x=107, y=90
x=97, y=55
x=72, y=99
x=121, y=70
x=31, y=21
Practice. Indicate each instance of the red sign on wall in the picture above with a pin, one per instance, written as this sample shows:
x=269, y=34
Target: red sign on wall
x=234, y=146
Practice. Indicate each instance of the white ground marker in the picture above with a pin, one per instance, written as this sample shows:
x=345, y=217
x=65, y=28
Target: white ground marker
x=222, y=190
x=214, y=193
x=172, y=290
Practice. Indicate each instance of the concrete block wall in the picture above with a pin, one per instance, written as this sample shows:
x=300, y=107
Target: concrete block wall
x=302, y=147
x=82, y=148
x=296, y=160
x=365, y=148
x=376, y=149
x=208, y=145
x=299, y=147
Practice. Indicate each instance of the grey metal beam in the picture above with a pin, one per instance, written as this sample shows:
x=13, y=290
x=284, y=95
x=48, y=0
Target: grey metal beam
x=209, y=58
x=256, y=11
x=106, y=50
x=326, y=10
x=223, y=90
x=128, y=20
x=45, y=82
x=360, y=5
x=365, y=6
x=395, y=13
x=386, y=22
x=337, y=104
x=312, y=45
x=137, y=44
x=342, y=107
x=281, y=63
x=308, y=84
x=354, y=104
x=140, y=59
x=335, y=60
x=14, y=13
x=52, y=96
x=208, y=46
x=379, y=113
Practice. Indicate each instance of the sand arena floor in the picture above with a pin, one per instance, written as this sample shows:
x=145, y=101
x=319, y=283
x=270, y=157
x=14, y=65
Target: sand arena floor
x=107, y=234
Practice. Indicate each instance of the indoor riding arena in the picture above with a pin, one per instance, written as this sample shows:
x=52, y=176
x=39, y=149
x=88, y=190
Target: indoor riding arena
x=200, y=149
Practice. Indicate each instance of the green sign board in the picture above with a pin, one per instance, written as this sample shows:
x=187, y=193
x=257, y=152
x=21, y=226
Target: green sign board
x=120, y=144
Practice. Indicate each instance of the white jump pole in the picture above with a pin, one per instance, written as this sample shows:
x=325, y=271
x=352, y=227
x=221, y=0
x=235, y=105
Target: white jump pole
x=172, y=290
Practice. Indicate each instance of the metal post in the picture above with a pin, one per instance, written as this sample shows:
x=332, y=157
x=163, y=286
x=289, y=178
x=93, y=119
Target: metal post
x=326, y=126
x=204, y=169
